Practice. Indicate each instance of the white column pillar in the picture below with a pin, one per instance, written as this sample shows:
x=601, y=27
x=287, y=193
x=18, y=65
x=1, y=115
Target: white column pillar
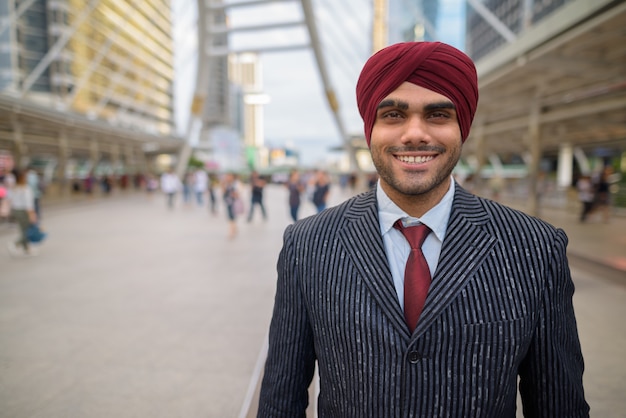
x=565, y=166
x=583, y=161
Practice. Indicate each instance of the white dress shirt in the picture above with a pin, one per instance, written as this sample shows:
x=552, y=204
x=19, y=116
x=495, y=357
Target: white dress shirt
x=396, y=245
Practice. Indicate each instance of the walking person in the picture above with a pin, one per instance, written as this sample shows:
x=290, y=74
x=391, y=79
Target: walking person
x=232, y=201
x=89, y=181
x=22, y=202
x=603, y=194
x=7, y=180
x=321, y=190
x=585, y=196
x=200, y=185
x=295, y=187
x=187, y=186
x=418, y=298
x=170, y=185
x=212, y=184
x=35, y=183
x=257, y=184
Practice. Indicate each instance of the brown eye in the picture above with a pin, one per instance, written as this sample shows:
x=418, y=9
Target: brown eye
x=392, y=114
x=439, y=115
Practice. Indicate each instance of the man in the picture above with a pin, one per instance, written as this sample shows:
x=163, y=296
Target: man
x=200, y=185
x=321, y=189
x=257, y=184
x=170, y=185
x=34, y=182
x=498, y=307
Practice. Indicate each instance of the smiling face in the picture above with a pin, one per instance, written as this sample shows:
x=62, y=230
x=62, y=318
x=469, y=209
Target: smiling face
x=415, y=144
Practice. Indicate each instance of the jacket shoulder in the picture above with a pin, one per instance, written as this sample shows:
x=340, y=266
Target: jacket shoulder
x=509, y=221
x=334, y=217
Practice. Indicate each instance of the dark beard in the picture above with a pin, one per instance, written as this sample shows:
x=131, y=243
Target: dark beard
x=416, y=188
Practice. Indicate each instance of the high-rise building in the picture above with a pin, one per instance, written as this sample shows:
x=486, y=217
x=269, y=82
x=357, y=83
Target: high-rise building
x=217, y=103
x=107, y=59
x=426, y=20
x=412, y=20
x=246, y=76
x=516, y=15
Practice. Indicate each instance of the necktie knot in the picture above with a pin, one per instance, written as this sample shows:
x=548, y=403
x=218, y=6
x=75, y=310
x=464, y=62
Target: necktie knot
x=415, y=235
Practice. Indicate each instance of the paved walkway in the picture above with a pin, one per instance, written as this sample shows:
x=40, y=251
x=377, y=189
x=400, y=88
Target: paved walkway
x=134, y=310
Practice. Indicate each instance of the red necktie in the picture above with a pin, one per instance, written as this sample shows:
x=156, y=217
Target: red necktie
x=416, y=273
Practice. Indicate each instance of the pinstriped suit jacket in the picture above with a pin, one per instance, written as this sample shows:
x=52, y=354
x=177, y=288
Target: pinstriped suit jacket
x=500, y=305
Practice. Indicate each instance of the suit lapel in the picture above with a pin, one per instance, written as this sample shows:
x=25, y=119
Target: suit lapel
x=363, y=242
x=464, y=249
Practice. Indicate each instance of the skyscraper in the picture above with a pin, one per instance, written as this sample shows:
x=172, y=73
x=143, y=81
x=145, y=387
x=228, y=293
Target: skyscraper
x=427, y=20
x=516, y=15
x=105, y=59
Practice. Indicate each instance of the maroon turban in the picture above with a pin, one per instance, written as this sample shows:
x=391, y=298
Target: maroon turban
x=433, y=65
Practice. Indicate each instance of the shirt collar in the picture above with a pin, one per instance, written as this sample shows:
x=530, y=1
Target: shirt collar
x=436, y=218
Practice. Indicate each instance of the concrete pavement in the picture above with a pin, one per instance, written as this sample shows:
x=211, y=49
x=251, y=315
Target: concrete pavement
x=134, y=310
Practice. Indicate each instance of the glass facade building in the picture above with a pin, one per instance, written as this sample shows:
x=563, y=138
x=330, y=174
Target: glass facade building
x=412, y=20
x=516, y=15
x=109, y=60
x=426, y=20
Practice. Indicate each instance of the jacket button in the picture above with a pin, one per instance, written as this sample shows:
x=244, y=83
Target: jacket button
x=414, y=357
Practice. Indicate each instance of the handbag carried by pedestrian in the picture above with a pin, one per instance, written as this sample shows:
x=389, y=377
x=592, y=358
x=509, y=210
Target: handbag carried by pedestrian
x=34, y=234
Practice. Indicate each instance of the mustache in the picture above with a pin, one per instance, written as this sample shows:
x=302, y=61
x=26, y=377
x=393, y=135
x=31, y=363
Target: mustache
x=420, y=148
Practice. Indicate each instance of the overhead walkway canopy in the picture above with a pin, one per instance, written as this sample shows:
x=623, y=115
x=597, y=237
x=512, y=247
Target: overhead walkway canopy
x=561, y=82
x=35, y=129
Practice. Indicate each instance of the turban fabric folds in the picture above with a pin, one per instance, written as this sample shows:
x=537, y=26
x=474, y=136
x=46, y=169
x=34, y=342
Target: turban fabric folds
x=433, y=65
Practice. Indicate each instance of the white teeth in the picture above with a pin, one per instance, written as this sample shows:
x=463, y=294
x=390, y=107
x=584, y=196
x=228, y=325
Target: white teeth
x=414, y=160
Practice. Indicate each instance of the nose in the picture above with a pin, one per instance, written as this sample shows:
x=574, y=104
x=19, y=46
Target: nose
x=415, y=131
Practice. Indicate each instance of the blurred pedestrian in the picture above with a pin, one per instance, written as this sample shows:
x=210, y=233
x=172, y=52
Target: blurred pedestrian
x=232, y=201
x=372, y=179
x=353, y=181
x=170, y=185
x=603, y=194
x=152, y=184
x=187, y=185
x=321, y=190
x=585, y=196
x=35, y=183
x=88, y=182
x=257, y=185
x=200, y=185
x=106, y=184
x=7, y=180
x=417, y=298
x=295, y=187
x=23, y=212
x=213, y=183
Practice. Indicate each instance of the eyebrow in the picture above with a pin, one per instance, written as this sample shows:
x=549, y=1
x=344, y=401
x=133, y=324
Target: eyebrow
x=404, y=105
x=393, y=103
x=440, y=105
